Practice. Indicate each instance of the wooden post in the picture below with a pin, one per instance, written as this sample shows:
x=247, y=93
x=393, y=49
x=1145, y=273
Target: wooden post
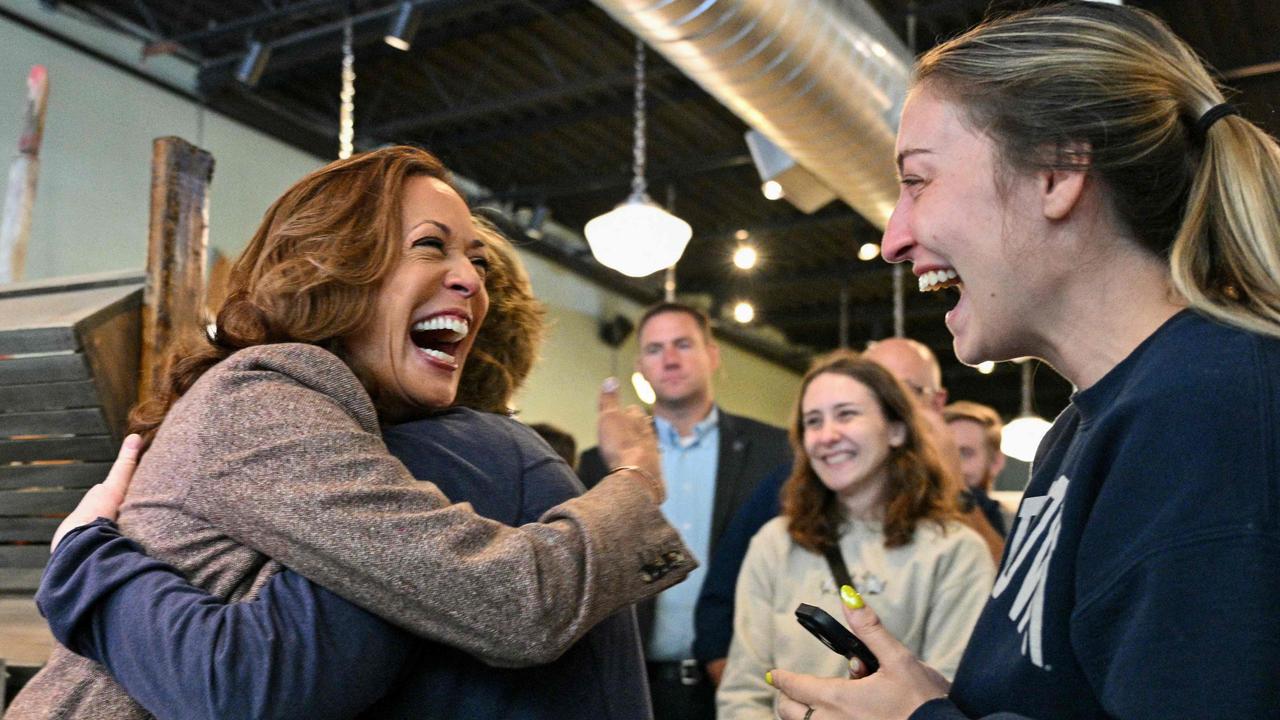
x=15, y=228
x=172, y=311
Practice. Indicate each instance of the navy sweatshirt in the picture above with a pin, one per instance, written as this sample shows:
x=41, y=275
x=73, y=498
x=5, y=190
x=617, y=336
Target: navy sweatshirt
x=1142, y=575
x=300, y=651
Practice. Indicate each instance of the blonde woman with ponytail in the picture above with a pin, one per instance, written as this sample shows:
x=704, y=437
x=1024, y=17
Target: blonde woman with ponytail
x=1078, y=175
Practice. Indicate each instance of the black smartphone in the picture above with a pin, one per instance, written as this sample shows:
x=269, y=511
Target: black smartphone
x=835, y=636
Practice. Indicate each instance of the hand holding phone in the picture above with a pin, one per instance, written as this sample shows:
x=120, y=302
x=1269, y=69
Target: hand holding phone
x=835, y=636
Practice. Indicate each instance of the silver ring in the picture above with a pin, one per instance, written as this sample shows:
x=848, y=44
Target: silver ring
x=809, y=713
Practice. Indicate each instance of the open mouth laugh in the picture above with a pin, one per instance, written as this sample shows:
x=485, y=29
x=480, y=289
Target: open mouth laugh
x=936, y=280
x=438, y=337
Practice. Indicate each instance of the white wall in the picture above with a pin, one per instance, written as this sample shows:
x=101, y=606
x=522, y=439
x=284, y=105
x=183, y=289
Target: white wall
x=92, y=205
x=92, y=201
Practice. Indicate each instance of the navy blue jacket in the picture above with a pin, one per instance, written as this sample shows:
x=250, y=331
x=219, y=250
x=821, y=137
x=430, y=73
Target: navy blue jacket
x=1142, y=576
x=977, y=497
x=713, y=615
x=300, y=651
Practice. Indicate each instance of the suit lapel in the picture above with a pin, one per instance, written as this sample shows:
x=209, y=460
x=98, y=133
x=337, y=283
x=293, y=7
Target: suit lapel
x=729, y=466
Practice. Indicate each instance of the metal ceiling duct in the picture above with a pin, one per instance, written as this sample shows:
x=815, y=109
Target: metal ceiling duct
x=823, y=79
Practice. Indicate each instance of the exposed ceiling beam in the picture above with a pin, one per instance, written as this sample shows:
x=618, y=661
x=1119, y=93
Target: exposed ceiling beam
x=297, y=127
x=838, y=214
x=680, y=90
x=248, y=24
x=860, y=314
x=780, y=279
x=620, y=177
x=499, y=105
x=303, y=47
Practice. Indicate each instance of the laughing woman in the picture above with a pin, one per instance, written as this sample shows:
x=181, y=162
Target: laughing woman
x=867, y=484
x=355, y=304
x=153, y=632
x=1077, y=171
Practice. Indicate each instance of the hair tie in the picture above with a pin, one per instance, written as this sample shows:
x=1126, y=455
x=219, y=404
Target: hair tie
x=1211, y=116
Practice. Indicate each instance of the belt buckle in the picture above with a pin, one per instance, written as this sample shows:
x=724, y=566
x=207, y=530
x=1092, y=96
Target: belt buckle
x=690, y=672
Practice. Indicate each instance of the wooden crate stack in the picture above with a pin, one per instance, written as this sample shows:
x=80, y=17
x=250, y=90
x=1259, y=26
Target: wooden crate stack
x=76, y=353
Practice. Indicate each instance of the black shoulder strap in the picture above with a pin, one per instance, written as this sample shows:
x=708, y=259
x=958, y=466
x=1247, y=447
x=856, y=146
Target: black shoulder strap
x=838, y=570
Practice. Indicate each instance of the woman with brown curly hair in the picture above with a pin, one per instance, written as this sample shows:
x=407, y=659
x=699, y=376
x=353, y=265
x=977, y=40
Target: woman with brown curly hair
x=357, y=303
x=868, y=482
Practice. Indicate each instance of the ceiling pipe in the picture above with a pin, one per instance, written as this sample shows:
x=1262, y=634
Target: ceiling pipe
x=822, y=79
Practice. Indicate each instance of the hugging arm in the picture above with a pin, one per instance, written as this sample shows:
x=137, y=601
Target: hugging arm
x=329, y=502
x=296, y=651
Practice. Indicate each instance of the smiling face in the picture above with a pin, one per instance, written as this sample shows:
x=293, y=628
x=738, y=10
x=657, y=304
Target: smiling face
x=978, y=465
x=848, y=438
x=959, y=228
x=428, y=309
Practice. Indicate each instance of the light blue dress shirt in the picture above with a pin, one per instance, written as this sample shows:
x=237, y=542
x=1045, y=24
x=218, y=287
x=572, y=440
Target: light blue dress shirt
x=689, y=466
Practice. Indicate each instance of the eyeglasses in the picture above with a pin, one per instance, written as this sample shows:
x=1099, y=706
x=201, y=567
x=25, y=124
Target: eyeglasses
x=920, y=392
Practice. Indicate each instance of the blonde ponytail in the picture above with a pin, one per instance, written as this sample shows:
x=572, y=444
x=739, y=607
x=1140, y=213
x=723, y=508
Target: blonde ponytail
x=1226, y=258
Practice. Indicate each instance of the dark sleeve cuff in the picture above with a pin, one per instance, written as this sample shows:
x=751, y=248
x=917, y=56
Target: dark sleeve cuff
x=89, y=563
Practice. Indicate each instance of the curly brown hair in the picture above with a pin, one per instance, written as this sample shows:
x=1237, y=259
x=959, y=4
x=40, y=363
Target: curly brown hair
x=917, y=482
x=506, y=348
x=312, y=271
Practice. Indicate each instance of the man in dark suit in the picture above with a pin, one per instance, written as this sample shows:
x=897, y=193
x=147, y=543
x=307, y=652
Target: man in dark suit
x=712, y=461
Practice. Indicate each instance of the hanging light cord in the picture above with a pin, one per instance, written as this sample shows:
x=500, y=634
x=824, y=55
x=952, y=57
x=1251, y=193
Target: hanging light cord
x=347, y=110
x=639, y=188
x=1027, y=387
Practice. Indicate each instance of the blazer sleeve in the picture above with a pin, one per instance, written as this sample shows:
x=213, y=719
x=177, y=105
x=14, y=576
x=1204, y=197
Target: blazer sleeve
x=295, y=651
x=292, y=466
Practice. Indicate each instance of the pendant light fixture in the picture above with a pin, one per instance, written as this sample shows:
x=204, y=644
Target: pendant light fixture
x=347, y=96
x=1022, y=436
x=638, y=237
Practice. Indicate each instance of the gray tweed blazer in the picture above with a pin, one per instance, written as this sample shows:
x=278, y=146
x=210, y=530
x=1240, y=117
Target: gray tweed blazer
x=274, y=457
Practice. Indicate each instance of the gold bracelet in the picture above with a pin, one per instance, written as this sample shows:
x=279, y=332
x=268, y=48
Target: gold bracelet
x=658, y=489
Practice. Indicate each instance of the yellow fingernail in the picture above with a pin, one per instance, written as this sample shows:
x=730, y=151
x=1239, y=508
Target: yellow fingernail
x=768, y=677
x=851, y=598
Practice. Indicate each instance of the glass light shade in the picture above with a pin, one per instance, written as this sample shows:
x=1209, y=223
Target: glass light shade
x=637, y=238
x=1022, y=436
x=743, y=312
